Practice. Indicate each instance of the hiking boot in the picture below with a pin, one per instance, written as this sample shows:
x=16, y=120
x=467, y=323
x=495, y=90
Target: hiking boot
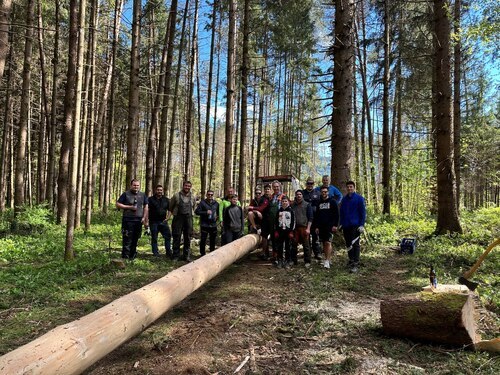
x=354, y=269
x=287, y=265
x=279, y=264
x=326, y=264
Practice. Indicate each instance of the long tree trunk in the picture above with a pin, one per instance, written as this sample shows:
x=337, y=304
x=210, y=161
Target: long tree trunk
x=7, y=129
x=5, y=8
x=386, y=139
x=447, y=216
x=242, y=172
x=457, y=113
x=24, y=109
x=217, y=76
x=51, y=170
x=176, y=90
x=190, y=108
x=133, y=97
x=75, y=148
x=162, y=145
x=204, y=161
x=230, y=78
x=343, y=81
x=258, y=159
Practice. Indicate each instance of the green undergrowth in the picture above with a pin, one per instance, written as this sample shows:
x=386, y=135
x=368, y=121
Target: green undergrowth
x=39, y=290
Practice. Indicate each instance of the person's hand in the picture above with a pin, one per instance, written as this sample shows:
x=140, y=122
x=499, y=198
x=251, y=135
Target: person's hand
x=250, y=208
x=209, y=212
x=308, y=231
x=291, y=235
x=334, y=229
x=276, y=234
x=361, y=229
x=132, y=207
x=317, y=231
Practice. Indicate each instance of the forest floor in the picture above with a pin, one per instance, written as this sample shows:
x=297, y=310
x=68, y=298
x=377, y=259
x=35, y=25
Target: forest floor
x=296, y=321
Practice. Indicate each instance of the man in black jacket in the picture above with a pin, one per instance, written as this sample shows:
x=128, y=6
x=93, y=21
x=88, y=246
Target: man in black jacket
x=158, y=216
x=207, y=210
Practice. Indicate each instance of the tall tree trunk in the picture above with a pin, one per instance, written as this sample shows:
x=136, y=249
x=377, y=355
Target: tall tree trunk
x=5, y=8
x=447, y=216
x=204, y=162
x=457, y=113
x=190, y=108
x=242, y=175
x=343, y=81
x=24, y=109
x=217, y=76
x=51, y=170
x=176, y=91
x=230, y=77
x=260, y=123
x=133, y=97
x=399, y=132
x=162, y=145
x=386, y=138
x=7, y=129
x=75, y=148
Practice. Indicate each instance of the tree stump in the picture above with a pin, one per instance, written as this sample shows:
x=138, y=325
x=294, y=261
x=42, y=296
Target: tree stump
x=441, y=318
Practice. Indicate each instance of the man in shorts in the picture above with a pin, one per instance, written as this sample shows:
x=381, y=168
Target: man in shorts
x=326, y=222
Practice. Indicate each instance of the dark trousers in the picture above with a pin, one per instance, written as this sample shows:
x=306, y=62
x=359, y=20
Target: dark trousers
x=302, y=238
x=131, y=232
x=351, y=234
x=315, y=243
x=283, y=243
x=230, y=236
x=182, y=225
x=162, y=228
x=208, y=233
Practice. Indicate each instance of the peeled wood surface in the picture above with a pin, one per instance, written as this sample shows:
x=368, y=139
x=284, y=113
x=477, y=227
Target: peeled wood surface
x=73, y=347
x=442, y=318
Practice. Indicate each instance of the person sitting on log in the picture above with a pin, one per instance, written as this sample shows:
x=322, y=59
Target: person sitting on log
x=256, y=209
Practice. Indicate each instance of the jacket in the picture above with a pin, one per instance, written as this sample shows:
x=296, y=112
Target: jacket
x=352, y=211
x=174, y=203
x=206, y=220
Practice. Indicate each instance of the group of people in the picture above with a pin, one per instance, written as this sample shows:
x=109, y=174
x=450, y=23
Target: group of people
x=311, y=219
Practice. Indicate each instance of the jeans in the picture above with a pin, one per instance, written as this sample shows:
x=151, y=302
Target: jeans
x=182, y=225
x=302, y=238
x=351, y=234
x=208, y=232
x=230, y=236
x=284, y=240
x=131, y=232
x=162, y=228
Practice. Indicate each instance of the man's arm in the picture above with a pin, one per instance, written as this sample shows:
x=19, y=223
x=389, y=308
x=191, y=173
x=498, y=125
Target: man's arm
x=120, y=204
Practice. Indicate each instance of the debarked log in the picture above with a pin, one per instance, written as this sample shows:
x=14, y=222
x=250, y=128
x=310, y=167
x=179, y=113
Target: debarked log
x=73, y=347
x=441, y=318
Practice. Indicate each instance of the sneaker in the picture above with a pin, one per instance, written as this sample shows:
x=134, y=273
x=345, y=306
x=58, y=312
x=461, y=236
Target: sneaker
x=307, y=265
x=259, y=231
x=326, y=264
x=354, y=269
x=287, y=265
x=279, y=264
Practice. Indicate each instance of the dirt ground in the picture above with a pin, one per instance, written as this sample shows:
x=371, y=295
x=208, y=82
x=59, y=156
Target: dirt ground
x=257, y=319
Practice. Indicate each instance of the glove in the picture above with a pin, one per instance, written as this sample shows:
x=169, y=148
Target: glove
x=276, y=234
x=361, y=229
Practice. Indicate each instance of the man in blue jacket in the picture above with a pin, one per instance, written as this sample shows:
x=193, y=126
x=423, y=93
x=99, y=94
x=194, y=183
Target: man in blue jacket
x=333, y=192
x=352, y=220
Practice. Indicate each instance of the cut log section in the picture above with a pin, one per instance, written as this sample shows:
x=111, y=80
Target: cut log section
x=73, y=347
x=441, y=318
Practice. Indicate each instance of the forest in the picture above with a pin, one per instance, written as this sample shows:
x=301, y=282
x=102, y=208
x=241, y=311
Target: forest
x=400, y=96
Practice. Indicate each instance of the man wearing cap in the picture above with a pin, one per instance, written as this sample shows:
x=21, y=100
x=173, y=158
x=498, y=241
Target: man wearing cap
x=311, y=196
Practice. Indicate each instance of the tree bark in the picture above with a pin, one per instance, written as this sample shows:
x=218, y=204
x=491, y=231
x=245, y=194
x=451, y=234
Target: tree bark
x=386, y=138
x=441, y=318
x=457, y=113
x=343, y=81
x=7, y=129
x=5, y=8
x=133, y=97
x=242, y=175
x=24, y=110
x=162, y=145
x=230, y=77
x=447, y=216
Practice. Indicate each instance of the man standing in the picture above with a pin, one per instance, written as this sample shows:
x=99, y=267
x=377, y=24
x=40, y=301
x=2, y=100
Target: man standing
x=182, y=208
x=207, y=210
x=158, y=221
x=224, y=203
x=311, y=195
x=234, y=221
x=352, y=220
x=274, y=207
x=333, y=192
x=303, y=220
x=134, y=204
x=326, y=222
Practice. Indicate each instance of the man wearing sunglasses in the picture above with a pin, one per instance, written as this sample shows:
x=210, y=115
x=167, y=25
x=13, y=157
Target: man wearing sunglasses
x=207, y=211
x=256, y=210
